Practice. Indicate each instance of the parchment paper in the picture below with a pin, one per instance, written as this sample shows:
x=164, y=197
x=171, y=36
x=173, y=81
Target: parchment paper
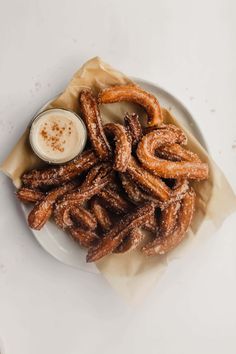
x=134, y=274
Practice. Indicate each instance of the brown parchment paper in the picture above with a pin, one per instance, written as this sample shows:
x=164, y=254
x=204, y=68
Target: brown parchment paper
x=133, y=274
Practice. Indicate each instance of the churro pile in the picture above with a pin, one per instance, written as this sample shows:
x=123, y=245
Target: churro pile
x=128, y=179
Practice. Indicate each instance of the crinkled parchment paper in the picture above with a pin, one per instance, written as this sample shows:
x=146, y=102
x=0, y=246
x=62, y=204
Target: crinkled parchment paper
x=133, y=274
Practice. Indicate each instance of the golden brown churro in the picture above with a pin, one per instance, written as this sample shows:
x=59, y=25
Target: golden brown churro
x=165, y=168
x=44, y=208
x=133, y=93
x=122, y=151
x=93, y=123
x=54, y=176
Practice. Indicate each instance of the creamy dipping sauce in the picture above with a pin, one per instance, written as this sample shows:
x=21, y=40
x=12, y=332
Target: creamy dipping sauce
x=57, y=135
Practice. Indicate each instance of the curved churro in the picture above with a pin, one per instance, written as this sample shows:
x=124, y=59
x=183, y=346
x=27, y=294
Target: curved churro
x=134, y=128
x=165, y=168
x=93, y=123
x=114, y=237
x=101, y=214
x=44, y=208
x=134, y=94
x=54, y=176
x=171, y=238
x=122, y=151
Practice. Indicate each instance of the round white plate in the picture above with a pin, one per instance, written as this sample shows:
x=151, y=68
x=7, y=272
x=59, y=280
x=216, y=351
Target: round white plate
x=55, y=241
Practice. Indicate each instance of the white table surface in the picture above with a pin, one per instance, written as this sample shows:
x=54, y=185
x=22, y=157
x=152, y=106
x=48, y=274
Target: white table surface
x=187, y=47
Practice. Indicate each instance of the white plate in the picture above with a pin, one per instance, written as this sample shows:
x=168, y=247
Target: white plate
x=55, y=241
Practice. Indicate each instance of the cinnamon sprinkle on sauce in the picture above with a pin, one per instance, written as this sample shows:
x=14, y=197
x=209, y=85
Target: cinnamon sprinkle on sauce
x=54, y=140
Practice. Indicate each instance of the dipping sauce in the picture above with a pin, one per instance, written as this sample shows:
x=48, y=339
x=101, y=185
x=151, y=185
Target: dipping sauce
x=57, y=135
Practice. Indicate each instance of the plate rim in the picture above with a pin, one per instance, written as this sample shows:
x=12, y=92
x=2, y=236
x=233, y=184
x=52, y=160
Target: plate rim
x=139, y=81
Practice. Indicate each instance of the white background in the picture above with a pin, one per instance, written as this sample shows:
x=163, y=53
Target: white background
x=187, y=47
